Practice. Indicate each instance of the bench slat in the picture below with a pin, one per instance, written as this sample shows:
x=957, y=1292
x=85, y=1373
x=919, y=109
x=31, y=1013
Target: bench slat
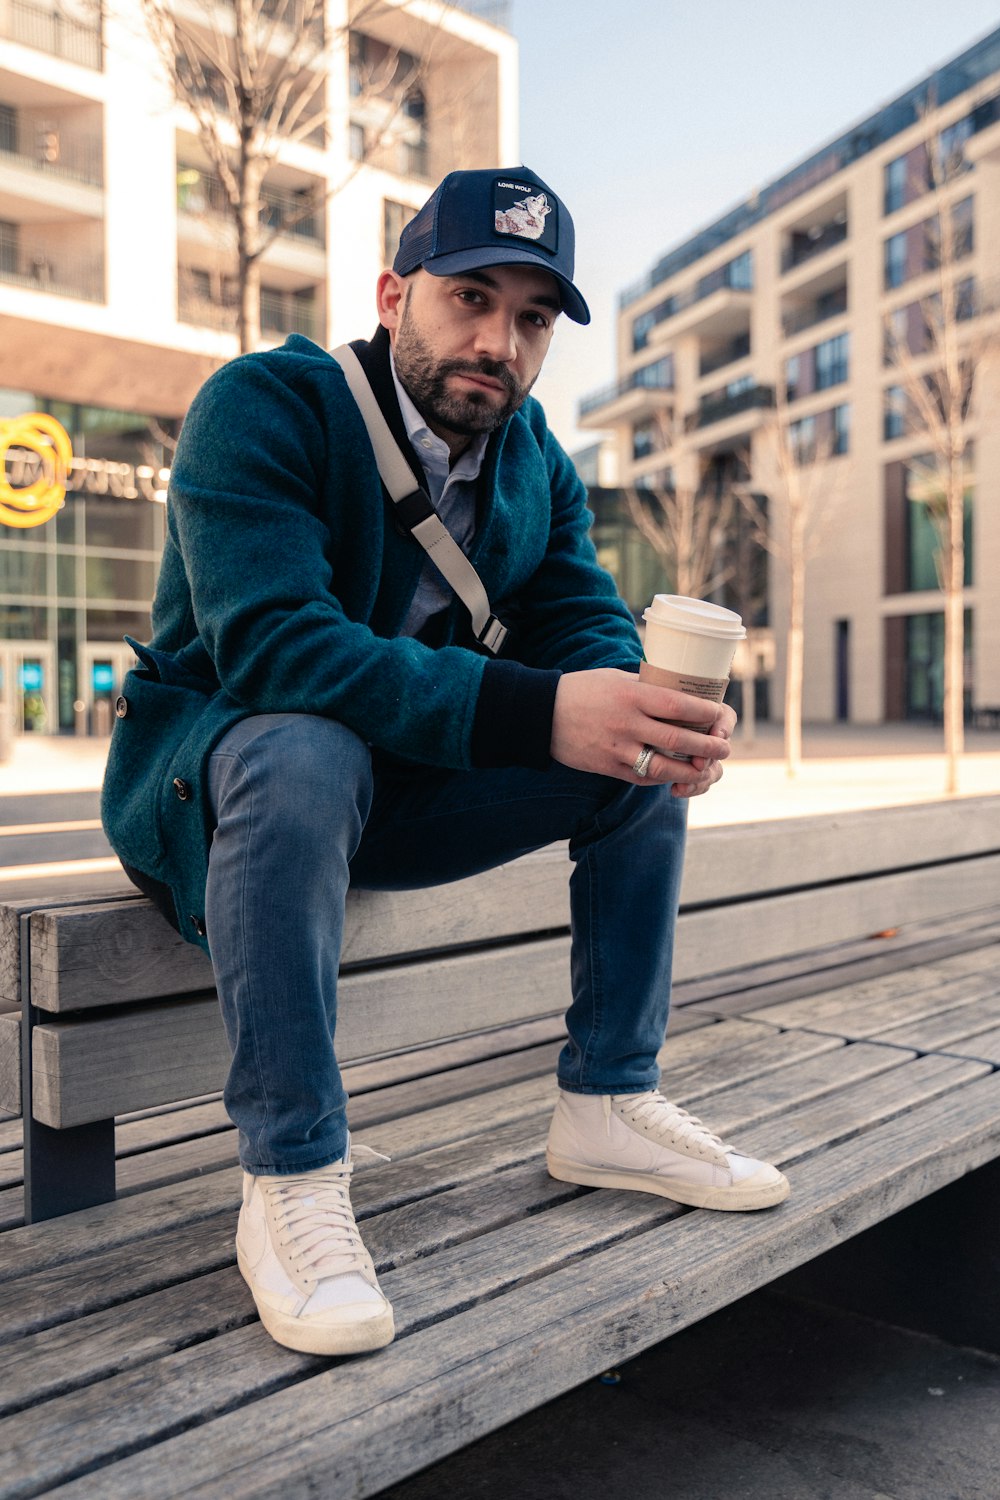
x=755, y=931
x=178, y=1050
x=734, y=860
x=867, y=1009
x=83, y=958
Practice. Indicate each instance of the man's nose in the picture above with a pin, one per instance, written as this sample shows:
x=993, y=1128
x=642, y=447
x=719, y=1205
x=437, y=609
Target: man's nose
x=495, y=337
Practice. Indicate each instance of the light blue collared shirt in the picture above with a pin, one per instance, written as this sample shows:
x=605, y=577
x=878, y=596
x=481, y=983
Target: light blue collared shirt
x=452, y=489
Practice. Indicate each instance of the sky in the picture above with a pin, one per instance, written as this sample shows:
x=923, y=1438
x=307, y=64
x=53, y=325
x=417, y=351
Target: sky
x=651, y=118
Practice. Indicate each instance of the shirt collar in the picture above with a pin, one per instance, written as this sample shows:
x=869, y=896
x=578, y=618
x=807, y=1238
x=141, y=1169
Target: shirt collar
x=432, y=450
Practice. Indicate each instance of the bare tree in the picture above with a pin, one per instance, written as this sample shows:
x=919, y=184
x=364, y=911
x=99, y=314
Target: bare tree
x=747, y=587
x=937, y=349
x=254, y=75
x=790, y=501
x=685, y=527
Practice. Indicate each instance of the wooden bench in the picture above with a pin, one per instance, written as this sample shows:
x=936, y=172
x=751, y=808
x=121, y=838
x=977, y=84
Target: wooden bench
x=866, y=1067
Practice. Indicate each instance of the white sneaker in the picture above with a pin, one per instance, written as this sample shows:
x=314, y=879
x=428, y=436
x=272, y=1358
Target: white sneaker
x=301, y=1255
x=643, y=1142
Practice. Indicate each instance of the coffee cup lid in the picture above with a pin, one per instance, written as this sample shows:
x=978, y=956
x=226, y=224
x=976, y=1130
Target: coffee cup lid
x=694, y=615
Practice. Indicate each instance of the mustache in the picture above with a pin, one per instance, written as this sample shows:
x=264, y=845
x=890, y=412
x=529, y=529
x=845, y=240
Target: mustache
x=488, y=367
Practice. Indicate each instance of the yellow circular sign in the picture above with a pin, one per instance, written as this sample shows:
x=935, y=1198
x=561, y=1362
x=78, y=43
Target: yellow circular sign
x=34, y=504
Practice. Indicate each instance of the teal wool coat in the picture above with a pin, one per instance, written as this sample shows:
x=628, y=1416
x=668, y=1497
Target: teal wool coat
x=283, y=585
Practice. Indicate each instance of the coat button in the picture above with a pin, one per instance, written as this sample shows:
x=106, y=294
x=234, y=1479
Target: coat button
x=198, y=923
x=121, y=707
x=181, y=788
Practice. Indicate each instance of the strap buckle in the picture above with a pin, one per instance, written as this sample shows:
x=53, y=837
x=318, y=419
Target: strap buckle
x=493, y=635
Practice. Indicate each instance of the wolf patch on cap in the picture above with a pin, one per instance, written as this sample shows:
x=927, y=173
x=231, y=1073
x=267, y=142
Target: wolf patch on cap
x=493, y=218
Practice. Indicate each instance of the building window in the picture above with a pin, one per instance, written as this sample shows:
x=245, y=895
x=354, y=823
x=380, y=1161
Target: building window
x=841, y=430
x=951, y=143
x=802, y=439
x=736, y=273
x=924, y=665
x=832, y=360
x=395, y=217
x=644, y=324
x=827, y=434
x=656, y=376
x=922, y=490
x=660, y=481
x=645, y=439
x=895, y=180
x=962, y=237
x=894, y=417
x=741, y=271
x=895, y=259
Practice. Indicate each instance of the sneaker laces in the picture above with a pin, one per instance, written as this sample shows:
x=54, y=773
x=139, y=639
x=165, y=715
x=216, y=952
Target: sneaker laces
x=654, y=1111
x=315, y=1220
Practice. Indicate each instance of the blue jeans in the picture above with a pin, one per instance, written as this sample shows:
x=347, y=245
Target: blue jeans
x=304, y=808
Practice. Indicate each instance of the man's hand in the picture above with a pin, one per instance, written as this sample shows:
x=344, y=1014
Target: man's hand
x=603, y=718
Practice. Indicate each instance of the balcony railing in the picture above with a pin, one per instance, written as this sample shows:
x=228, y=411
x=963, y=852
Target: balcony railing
x=53, y=149
x=817, y=312
x=48, y=28
x=737, y=349
x=280, y=313
x=717, y=408
x=663, y=380
x=32, y=264
x=805, y=246
x=202, y=192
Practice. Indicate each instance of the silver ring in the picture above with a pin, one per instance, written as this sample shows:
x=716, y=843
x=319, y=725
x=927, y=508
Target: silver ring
x=642, y=760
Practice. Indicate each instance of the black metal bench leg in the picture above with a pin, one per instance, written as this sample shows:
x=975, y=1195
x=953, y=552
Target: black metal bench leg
x=63, y=1169
x=67, y=1169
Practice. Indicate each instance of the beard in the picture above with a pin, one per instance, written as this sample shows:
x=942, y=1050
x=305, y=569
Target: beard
x=425, y=378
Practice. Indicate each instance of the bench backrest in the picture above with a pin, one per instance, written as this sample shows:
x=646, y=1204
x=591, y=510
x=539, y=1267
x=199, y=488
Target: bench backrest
x=420, y=966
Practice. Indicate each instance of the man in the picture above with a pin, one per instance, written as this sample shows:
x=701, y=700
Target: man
x=314, y=711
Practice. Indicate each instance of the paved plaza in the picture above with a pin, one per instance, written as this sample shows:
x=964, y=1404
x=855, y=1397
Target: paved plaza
x=844, y=767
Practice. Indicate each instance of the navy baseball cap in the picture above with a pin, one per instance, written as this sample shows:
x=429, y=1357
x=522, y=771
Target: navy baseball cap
x=493, y=218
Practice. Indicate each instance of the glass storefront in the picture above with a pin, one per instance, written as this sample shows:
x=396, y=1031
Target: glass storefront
x=925, y=666
x=73, y=586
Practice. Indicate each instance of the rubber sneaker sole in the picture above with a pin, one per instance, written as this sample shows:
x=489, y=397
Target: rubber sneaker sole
x=311, y=1337
x=739, y=1197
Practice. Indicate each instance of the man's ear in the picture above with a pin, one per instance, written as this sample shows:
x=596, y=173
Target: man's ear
x=390, y=291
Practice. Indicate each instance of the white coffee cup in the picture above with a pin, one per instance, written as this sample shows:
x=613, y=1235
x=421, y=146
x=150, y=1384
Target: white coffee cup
x=692, y=643
x=689, y=646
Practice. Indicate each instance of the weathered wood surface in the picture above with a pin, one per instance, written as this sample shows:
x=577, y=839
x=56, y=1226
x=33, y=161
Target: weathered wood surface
x=10, y=1061
x=93, y=889
x=168, y=1051
x=127, y=1326
x=164, y=1052
x=541, y=1284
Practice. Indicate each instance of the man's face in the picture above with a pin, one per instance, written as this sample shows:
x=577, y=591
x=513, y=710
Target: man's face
x=468, y=348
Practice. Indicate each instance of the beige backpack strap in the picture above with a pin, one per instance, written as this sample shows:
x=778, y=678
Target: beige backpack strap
x=414, y=508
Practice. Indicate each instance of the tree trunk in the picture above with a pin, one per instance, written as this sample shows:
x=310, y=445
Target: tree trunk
x=250, y=170
x=249, y=280
x=954, y=628
x=748, y=718
x=796, y=631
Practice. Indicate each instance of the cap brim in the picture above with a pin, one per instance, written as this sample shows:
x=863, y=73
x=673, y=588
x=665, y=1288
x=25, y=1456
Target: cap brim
x=477, y=260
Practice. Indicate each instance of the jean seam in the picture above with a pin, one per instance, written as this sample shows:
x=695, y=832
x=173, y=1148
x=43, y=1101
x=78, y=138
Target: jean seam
x=247, y=968
x=596, y=994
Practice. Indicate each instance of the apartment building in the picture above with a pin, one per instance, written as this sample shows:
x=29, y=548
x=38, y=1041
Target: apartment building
x=778, y=312
x=117, y=272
